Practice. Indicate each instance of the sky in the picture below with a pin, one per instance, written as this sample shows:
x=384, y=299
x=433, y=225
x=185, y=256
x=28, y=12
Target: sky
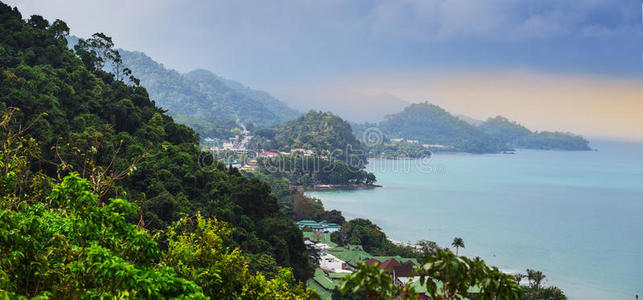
x=569, y=65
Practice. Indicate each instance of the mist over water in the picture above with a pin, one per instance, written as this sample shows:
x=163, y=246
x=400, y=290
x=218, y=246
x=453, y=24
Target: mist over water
x=576, y=216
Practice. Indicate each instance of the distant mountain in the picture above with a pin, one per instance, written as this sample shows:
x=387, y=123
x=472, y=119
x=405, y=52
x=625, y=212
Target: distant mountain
x=430, y=124
x=516, y=135
x=212, y=105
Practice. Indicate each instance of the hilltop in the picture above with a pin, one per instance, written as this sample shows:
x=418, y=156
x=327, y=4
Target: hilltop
x=430, y=124
x=212, y=105
x=518, y=136
x=437, y=129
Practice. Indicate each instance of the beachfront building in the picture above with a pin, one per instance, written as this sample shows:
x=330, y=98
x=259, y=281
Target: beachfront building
x=322, y=226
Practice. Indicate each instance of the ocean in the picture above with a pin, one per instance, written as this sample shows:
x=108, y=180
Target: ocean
x=575, y=216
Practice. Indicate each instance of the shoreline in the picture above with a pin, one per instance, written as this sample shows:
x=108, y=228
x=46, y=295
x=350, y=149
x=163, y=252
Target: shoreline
x=334, y=187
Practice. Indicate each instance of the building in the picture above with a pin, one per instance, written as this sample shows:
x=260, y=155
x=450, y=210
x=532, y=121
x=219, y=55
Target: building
x=434, y=146
x=268, y=154
x=322, y=226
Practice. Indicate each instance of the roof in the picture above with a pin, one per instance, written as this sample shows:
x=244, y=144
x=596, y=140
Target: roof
x=337, y=275
x=351, y=254
x=398, y=258
x=318, y=225
x=321, y=278
x=421, y=289
x=323, y=238
x=390, y=264
x=321, y=291
x=372, y=261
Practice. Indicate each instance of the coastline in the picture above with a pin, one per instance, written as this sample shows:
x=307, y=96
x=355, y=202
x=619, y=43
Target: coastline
x=333, y=187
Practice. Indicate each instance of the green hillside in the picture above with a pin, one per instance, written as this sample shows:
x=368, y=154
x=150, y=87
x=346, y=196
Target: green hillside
x=430, y=124
x=204, y=101
x=516, y=135
x=87, y=122
x=322, y=132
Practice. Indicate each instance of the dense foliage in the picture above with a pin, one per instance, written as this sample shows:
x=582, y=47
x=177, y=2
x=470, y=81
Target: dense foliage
x=305, y=171
x=504, y=130
x=546, y=140
x=204, y=101
x=371, y=237
x=105, y=129
x=430, y=124
x=443, y=276
x=61, y=240
x=516, y=135
x=322, y=132
x=295, y=204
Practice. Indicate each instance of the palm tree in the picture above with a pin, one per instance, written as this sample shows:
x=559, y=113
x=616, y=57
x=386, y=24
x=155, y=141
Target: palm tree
x=457, y=243
x=535, y=278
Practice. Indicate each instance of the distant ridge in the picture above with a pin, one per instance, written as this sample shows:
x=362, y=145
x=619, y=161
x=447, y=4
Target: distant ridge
x=427, y=123
x=210, y=104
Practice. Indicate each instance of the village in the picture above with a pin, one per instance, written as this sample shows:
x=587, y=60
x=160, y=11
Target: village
x=336, y=262
x=237, y=153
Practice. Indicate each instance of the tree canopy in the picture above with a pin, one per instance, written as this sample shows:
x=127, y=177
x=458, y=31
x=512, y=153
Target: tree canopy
x=99, y=127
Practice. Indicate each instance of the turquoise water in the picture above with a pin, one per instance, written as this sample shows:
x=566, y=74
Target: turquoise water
x=576, y=216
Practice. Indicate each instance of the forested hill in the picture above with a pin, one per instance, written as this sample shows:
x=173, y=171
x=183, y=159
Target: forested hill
x=204, y=101
x=89, y=122
x=322, y=132
x=516, y=135
x=430, y=124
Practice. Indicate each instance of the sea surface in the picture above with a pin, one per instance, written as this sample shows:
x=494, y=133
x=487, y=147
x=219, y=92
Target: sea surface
x=576, y=216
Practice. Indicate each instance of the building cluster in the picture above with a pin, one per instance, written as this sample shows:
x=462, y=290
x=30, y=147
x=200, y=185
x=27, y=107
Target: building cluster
x=336, y=262
x=237, y=144
x=426, y=146
x=295, y=151
x=322, y=226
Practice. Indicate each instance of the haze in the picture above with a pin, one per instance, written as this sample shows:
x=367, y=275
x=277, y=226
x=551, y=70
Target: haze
x=552, y=65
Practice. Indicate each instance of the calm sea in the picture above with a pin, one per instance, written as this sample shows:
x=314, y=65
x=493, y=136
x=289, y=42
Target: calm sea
x=576, y=216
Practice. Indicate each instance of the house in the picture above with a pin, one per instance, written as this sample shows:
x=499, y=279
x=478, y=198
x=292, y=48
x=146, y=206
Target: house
x=434, y=146
x=322, y=226
x=228, y=145
x=394, y=267
x=332, y=264
x=268, y=154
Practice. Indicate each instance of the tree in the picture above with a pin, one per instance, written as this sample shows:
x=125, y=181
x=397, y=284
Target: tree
x=457, y=274
x=59, y=29
x=457, y=243
x=372, y=283
x=428, y=247
x=302, y=207
x=535, y=278
x=84, y=104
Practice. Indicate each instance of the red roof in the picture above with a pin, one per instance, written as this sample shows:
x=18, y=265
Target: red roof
x=390, y=264
x=372, y=261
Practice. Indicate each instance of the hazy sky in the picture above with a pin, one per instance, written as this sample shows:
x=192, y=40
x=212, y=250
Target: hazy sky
x=551, y=64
